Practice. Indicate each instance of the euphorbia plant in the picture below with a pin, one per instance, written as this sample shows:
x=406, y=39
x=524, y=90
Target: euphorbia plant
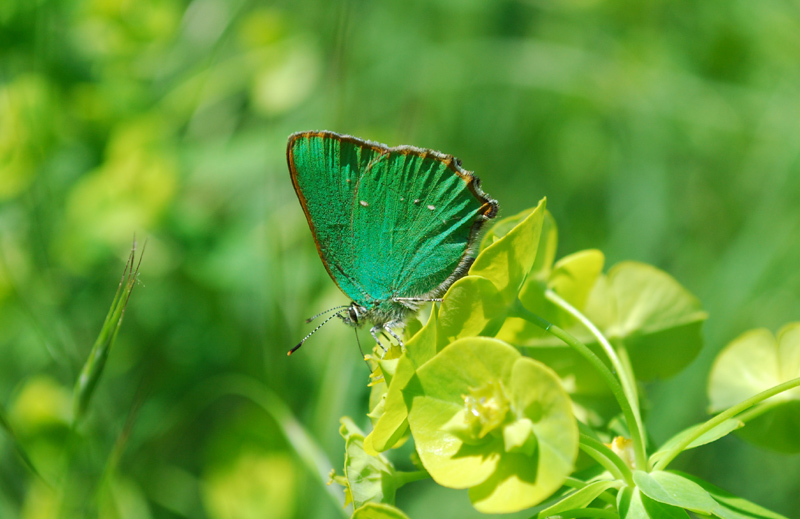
x=529, y=361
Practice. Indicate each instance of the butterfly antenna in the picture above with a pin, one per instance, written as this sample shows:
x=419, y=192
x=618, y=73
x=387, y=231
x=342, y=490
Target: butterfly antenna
x=312, y=333
x=325, y=312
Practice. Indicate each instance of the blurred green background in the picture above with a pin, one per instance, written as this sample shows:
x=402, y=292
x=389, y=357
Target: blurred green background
x=666, y=132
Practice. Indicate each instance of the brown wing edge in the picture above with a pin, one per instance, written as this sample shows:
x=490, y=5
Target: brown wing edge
x=489, y=210
x=293, y=174
x=489, y=207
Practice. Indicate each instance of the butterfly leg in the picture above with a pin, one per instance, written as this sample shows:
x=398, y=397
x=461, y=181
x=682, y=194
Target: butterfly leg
x=413, y=303
x=374, y=331
x=388, y=328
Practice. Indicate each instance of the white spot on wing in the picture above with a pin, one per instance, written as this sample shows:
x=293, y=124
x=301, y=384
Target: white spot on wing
x=416, y=200
x=431, y=207
x=364, y=203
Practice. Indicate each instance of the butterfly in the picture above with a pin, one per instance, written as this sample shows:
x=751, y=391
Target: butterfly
x=394, y=227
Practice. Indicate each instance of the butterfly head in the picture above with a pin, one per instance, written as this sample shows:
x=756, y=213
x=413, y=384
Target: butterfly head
x=354, y=315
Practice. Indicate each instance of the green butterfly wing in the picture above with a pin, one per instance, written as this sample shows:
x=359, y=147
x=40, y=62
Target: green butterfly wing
x=388, y=222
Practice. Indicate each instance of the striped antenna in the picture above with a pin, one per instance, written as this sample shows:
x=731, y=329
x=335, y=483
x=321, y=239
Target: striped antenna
x=312, y=332
x=325, y=312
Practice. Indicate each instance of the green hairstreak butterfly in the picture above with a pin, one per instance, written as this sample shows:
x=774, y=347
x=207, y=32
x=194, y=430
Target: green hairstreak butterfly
x=394, y=227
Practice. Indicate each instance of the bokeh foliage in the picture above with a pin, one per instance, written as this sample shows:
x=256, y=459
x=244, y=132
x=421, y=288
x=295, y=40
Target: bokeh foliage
x=661, y=132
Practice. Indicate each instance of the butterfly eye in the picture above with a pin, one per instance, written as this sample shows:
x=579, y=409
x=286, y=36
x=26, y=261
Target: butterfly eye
x=354, y=314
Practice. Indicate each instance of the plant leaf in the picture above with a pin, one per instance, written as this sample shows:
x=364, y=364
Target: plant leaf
x=511, y=388
x=507, y=261
x=378, y=511
x=392, y=424
x=633, y=504
x=721, y=430
x=370, y=478
x=731, y=506
x=649, y=312
x=674, y=490
x=753, y=362
x=466, y=363
x=467, y=308
x=579, y=499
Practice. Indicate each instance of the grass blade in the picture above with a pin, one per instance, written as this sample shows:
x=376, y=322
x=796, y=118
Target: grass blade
x=93, y=368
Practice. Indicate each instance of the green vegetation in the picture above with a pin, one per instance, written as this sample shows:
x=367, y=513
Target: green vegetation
x=663, y=134
x=485, y=418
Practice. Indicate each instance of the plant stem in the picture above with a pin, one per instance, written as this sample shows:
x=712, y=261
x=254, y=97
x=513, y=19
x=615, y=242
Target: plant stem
x=607, y=458
x=728, y=413
x=517, y=310
x=622, y=367
x=755, y=412
x=578, y=484
x=409, y=477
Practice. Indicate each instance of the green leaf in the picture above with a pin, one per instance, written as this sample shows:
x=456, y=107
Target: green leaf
x=377, y=399
x=519, y=437
x=635, y=306
x=548, y=240
x=721, y=430
x=579, y=499
x=729, y=505
x=467, y=308
x=674, y=490
x=465, y=364
x=507, y=261
x=499, y=481
x=371, y=479
x=391, y=424
x=633, y=504
x=629, y=504
x=751, y=363
x=378, y=511
x=649, y=312
x=573, y=278
x=657, y=510
x=546, y=250
x=423, y=345
x=747, y=366
x=388, y=367
x=503, y=226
